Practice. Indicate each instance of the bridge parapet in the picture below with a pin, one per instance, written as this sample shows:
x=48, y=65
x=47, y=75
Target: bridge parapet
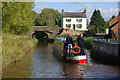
x=51, y=31
x=43, y=28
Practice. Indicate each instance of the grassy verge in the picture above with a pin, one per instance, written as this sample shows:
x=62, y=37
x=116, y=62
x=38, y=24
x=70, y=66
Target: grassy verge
x=14, y=47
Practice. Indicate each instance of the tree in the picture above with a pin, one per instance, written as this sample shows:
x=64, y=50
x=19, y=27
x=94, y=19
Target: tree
x=106, y=25
x=97, y=20
x=49, y=17
x=111, y=18
x=17, y=17
x=36, y=18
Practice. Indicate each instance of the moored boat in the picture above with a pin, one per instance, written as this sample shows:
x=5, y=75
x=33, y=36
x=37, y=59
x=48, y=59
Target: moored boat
x=69, y=52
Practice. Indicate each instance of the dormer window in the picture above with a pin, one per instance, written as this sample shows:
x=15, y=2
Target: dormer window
x=79, y=20
x=68, y=20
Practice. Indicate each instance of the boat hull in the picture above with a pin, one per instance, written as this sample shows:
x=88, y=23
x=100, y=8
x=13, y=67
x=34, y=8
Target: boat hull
x=80, y=59
x=58, y=49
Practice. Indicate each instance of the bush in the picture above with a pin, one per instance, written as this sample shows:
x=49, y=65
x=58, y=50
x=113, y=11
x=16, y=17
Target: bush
x=88, y=42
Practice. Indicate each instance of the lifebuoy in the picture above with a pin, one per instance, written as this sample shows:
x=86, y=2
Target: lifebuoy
x=76, y=52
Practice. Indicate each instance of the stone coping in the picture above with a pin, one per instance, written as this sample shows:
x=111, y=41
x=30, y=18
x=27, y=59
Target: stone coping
x=109, y=42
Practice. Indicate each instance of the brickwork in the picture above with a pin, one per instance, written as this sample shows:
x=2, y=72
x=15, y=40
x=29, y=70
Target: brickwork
x=50, y=31
x=72, y=32
x=116, y=27
x=116, y=19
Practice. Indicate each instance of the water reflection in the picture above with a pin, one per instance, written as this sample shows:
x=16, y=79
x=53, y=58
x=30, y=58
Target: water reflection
x=73, y=70
x=21, y=69
x=44, y=63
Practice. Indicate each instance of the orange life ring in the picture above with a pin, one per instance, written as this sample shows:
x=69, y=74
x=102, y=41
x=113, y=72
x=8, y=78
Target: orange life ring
x=75, y=51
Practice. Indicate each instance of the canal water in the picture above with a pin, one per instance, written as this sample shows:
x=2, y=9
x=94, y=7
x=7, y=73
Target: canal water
x=44, y=64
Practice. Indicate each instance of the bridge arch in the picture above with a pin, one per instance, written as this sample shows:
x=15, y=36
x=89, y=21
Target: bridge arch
x=40, y=35
x=50, y=31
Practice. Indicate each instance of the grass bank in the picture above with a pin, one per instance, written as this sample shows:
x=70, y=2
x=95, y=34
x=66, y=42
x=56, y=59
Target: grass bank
x=14, y=47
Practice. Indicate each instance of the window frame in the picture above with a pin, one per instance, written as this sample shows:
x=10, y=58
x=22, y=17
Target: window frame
x=68, y=20
x=68, y=26
x=79, y=20
x=79, y=27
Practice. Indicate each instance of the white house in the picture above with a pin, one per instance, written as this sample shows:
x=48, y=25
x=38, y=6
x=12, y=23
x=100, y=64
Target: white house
x=74, y=20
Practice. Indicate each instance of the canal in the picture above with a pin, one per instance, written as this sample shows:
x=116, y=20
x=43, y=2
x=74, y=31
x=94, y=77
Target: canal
x=44, y=64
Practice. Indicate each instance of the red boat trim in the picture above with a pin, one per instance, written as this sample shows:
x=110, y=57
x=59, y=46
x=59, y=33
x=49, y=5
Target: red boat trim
x=80, y=61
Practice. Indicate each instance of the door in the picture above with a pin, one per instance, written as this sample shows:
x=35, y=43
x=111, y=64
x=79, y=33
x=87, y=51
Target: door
x=73, y=26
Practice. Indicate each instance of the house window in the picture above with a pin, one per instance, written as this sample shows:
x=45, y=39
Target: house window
x=68, y=25
x=68, y=20
x=79, y=26
x=79, y=20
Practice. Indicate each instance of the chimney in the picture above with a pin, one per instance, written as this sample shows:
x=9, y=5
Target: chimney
x=85, y=11
x=62, y=10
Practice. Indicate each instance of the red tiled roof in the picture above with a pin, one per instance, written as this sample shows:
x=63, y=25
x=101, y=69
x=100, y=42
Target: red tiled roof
x=115, y=20
x=115, y=25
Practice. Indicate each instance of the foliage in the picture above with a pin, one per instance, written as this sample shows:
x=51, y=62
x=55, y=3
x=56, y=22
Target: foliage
x=17, y=17
x=88, y=42
x=49, y=17
x=106, y=25
x=91, y=31
x=36, y=18
x=97, y=20
x=112, y=17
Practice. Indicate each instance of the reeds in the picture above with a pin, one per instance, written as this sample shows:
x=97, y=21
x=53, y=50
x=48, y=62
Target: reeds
x=14, y=47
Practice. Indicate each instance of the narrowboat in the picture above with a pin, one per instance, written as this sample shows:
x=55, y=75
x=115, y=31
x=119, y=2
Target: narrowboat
x=69, y=52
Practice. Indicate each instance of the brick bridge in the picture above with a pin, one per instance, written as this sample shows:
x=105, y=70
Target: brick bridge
x=44, y=31
x=53, y=31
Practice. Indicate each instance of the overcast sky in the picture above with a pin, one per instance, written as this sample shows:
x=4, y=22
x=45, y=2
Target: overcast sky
x=107, y=9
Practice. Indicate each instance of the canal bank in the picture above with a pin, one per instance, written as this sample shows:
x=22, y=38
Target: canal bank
x=106, y=50
x=14, y=47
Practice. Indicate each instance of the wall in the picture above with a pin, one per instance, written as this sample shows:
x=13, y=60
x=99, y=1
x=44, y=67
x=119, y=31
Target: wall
x=73, y=21
x=72, y=32
x=109, y=49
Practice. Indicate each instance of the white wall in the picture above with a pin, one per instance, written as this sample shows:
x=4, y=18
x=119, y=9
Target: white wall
x=107, y=31
x=73, y=21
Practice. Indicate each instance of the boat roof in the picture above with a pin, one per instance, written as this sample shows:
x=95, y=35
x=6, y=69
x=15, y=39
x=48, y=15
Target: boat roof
x=63, y=39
